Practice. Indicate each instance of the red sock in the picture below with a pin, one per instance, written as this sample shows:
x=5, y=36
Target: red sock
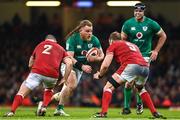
x=106, y=99
x=16, y=102
x=148, y=101
x=48, y=93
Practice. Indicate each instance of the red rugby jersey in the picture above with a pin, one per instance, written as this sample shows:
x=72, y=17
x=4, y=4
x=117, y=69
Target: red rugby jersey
x=126, y=53
x=48, y=57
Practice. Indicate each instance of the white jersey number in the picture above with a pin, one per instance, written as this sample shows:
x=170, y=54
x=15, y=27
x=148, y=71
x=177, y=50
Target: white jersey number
x=47, y=49
x=131, y=46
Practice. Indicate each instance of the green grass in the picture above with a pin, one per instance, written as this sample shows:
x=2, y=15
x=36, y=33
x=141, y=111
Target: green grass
x=27, y=113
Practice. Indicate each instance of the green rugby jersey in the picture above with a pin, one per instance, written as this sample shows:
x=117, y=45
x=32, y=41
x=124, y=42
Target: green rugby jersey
x=141, y=33
x=80, y=47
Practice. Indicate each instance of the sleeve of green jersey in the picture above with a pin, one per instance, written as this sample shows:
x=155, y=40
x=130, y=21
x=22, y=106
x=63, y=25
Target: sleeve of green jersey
x=97, y=43
x=70, y=44
x=125, y=28
x=156, y=27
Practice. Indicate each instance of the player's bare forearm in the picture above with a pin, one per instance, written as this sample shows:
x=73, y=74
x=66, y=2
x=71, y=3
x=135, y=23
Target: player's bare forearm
x=106, y=63
x=161, y=41
x=103, y=70
x=69, y=66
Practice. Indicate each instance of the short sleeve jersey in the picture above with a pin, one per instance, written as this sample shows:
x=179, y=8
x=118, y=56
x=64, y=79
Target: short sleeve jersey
x=126, y=53
x=80, y=47
x=48, y=57
x=141, y=33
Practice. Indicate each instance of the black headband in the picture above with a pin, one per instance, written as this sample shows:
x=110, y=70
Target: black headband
x=140, y=6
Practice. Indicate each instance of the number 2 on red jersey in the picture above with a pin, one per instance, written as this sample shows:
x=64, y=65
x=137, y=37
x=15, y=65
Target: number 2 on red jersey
x=47, y=49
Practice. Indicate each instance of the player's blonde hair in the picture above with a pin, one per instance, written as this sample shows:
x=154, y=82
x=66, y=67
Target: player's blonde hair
x=115, y=36
x=81, y=24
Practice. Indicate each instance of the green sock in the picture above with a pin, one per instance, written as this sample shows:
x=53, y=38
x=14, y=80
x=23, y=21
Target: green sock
x=60, y=107
x=127, y=97
x=138, y=99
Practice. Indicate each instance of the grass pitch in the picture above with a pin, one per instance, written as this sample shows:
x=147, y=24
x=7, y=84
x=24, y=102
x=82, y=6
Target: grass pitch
x=28, y=113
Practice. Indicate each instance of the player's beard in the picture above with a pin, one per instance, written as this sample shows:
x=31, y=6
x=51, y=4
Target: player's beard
x=89, y=38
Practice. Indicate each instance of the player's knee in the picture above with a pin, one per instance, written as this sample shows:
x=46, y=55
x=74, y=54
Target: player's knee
x=114, y=83
x=108, y=86
x=71, y=88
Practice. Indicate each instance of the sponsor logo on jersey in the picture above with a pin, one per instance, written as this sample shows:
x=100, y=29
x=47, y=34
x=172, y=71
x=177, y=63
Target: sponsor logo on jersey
x=145, y=28
x=90, y=45
x=78, y=46
x=139, y=35
x=133, y=28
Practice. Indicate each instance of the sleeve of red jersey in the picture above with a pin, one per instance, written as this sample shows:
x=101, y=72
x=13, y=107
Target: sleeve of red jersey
x=110, y=49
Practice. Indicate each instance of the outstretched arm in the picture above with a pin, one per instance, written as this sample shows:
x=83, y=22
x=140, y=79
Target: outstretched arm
x=104, y=66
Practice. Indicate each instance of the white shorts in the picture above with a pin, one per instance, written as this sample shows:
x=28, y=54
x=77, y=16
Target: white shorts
x=78, y=72
x=34, y=80
x=135, y=72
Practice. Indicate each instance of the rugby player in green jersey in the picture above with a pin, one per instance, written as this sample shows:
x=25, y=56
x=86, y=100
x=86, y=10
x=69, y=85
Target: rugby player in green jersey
x=79, y=41
x=140, y=31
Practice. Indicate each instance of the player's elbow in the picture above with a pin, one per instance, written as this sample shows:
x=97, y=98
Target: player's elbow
x=163, y=36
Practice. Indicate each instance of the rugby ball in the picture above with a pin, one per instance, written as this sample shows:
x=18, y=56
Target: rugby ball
x=92, y=52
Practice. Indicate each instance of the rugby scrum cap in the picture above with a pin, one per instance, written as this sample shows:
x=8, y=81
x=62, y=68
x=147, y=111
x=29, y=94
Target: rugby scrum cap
x=140, y=6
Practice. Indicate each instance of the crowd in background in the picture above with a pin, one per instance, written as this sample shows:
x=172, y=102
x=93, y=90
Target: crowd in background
x=19, y=39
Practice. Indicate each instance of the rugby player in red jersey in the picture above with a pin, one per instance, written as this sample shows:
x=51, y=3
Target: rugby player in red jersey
x=134, y=70
x=44, y=63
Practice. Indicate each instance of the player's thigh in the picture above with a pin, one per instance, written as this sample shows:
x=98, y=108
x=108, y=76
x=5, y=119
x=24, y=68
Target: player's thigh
x=74, y=77
x=49, y=82
x=72, y=80
x=32, y=81
x=24, y=90
x=78, y=74
x=127, y=73
x=109, y=86
x=142, y=75
x=118, y=78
